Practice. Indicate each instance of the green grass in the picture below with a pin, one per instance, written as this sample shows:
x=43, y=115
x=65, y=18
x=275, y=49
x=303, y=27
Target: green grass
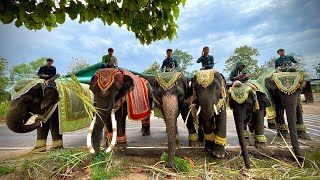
x=102, y=167
x=4, y=108
x=7, y=170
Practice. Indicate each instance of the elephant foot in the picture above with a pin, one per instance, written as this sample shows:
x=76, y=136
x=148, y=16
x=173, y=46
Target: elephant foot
x=39, y=149
x=56, y=147
x=218, y=151
x=284, y=133
x=209, y=146
x=169, y=164
x=272, y=125
x=195, y=143
x=201, y=135
x=146, y=133
x=303, y=135
x=260, y=145
x=121, y=146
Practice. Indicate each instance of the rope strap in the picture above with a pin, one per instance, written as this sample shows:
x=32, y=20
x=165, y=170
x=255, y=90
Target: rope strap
x=301, y=127
x=193, y=137
x=282, y=127
x=41, y=143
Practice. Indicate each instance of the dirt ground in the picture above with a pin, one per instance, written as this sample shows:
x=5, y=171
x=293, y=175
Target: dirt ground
x=311, y=108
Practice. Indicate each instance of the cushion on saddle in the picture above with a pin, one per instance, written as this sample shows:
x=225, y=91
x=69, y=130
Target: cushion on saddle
x=137, y=99
x=23, y=86
x=205, y=77
x=271, y=110
x=288, y=82
x=240, y=94
x=107, y=76
x=72, y=113
x=168, y=79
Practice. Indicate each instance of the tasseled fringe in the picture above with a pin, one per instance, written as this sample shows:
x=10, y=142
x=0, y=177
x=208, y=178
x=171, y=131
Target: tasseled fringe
x=256, y=105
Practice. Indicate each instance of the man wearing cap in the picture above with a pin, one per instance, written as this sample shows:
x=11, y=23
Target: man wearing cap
x=206, y=59
x=109, y=60
x=284, y=63
x=169, y=63
x=48, y=71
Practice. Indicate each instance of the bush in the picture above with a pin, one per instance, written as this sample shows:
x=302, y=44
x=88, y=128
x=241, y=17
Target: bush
x=4, y=108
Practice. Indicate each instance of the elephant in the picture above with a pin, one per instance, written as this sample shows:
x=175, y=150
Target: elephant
x=171, y=96
x=111, y=88
x=285, y=89
x=210, y=91
x=38, y=98
x=248, y=107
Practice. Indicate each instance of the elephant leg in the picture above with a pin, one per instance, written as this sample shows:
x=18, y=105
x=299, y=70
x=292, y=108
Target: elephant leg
x=121, y=116
x=97, y=134
x=258, y=125
x=57, y=142
x=108, y=132
x=220, y=135
x=301, y=128
x=42, y=135
x=193, y=135
x=146, y=127
x=282, y=127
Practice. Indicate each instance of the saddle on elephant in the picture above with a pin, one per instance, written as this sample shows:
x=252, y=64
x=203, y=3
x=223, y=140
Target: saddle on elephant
x=241, y=93
x=72, y=113
x=137, y=98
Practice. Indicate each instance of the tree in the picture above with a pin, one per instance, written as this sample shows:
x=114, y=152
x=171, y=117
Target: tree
x=153, y=69
x=244, y=54
x=184, y=60
x=77, y=64
x=4, y=80
x=148, y=20
x=268, y=65
x=26, y=70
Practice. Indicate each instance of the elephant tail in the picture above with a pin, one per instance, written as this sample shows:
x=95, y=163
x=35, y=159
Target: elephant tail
x=114, y=132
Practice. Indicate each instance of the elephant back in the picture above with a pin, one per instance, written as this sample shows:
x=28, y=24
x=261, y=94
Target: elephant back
x=168, y=79
x=288, y=82
x=240, y=93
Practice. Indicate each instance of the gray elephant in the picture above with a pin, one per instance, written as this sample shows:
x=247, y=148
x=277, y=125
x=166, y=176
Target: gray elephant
x=285, y=88
x=170, y=97
x=36, y=104
x=248, y=108
x=210, y=91
x=118, y=94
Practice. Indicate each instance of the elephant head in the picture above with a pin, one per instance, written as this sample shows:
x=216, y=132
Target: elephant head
x=247, y=106
x=108, y=86
x=36, y=100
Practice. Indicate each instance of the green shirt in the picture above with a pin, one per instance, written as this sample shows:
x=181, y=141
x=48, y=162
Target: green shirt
x=281, y=60
x=110, y=59
x=236, y=72
x=205, y=61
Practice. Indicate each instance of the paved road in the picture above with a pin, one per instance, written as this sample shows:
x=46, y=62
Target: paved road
x=11, y=140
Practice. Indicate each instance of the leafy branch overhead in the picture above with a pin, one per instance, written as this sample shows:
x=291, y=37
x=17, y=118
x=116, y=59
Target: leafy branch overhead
x=149, y=20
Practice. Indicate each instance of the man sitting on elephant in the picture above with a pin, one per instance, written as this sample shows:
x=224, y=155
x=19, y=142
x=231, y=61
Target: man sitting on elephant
x=48, y=71
x=284, y=63
x=206, y=59
x=109, y=60
x=239, y=73
x=170, y=63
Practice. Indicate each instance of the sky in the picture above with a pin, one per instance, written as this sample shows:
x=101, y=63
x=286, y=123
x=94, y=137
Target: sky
x=222, y=25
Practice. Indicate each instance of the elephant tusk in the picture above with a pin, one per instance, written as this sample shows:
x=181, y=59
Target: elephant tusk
x=89, y=135
x=199, y=110
x=114, y=132
x=215, y=109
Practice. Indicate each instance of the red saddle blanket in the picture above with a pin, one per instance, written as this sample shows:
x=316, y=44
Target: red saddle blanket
x=137, y=99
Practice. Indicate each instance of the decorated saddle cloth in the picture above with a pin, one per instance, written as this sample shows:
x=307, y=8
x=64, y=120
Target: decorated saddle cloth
x=240, y=94
x=168, y=79
x=107, y=76
x=23, y=86
x=271, y=110
x=288, y=82
x=205, y=77
x=137, y=99
x=72, y=113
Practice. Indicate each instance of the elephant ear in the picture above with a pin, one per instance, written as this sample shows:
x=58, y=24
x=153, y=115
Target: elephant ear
x=263, y=99
x=127, y=85
x=93, y=84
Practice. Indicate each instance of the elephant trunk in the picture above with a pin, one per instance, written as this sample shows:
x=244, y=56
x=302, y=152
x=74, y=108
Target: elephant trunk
x=170, y=111
x=290, y=105
x=239, y=119
x=16, y=121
